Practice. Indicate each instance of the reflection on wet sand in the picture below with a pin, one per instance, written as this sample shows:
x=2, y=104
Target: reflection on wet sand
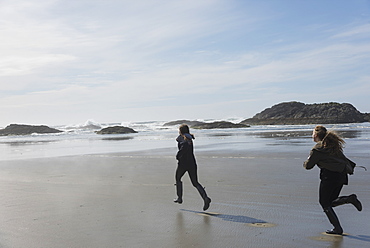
x=187, y=236
x=288, y=134
x=282, y=135
x=28, y=142
x=117, y=138
x=285, y=135
x=350, y=134
x=220, y=134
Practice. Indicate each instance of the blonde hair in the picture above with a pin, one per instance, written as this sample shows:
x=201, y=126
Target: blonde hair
x=330, y=139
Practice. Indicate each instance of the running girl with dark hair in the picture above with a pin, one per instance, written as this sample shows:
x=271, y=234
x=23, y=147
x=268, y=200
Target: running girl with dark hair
x=187, y=163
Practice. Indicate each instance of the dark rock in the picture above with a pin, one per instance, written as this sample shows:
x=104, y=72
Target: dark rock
x=367, y=117
x=16, y=129
x=180, y=122
x=116, y=130
x=206, y=125
x=297, y=113
x=219, y=124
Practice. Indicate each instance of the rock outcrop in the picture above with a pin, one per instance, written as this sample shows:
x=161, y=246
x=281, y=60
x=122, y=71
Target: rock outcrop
x=206, y=125
x=116, y=130
x=17, y=129
x=367, y=117
x=219, y=124
x=297, y=113
x=180, y=122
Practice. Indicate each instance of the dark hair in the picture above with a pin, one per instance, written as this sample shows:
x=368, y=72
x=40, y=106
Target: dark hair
x=185, y=129
x=330, y=139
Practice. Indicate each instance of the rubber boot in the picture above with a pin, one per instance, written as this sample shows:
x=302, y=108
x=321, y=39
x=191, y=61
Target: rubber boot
x=348, y=199
x=178, y=192
x=203, y=194
x=334, y=221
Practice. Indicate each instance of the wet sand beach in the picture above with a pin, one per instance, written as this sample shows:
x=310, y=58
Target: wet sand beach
x=126, y=200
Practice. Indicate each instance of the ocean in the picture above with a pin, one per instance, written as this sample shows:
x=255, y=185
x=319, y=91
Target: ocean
x=81, y=139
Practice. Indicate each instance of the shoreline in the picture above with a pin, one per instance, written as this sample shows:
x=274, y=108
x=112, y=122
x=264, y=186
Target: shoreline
x=125, y=200
x=241, y=140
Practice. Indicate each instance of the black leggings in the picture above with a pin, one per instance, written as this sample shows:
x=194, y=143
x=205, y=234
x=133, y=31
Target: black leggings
x=328, y=192
x=192, y=171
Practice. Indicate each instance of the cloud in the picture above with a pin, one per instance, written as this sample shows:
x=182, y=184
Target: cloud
x=355, y=32
x=16, y=65
x=101, y=57
x=107, y=37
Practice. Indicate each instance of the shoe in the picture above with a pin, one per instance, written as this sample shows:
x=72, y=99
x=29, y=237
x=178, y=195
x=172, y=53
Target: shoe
x=178, y=192
x=333, y=219
x=203, y=194
x=335, y=231
x=348, y=199
x=355, y=202
x=207, y=201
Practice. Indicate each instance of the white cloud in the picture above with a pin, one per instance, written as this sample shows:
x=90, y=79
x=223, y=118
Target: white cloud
x=101, y=57
x=15, y=65
x=355, y=32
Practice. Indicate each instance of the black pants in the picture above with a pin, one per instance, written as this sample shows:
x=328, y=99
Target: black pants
x=328, y=192
x=192, y=171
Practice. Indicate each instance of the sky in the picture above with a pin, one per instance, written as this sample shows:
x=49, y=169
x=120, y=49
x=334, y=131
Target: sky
x=69, y=61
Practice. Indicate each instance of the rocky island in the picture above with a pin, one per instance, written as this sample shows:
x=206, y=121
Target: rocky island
x=17, y=129
x=207, y=125
x=219, y=124
x=180, y=122
x=298, y=113
x=116, y=130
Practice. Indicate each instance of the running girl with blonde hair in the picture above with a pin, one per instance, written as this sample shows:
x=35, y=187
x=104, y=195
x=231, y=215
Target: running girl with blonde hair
x=328, y=155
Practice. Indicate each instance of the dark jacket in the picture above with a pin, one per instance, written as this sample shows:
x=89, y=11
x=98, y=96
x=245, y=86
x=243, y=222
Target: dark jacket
x=332, y=166
x=185, y=155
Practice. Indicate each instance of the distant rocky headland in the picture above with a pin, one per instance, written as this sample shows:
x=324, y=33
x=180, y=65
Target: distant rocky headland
x=291, y=113
x=297, y=113
x=17, y=129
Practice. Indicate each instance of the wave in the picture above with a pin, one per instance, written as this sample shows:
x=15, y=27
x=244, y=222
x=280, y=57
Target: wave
x=91, y=126
x=141, y=126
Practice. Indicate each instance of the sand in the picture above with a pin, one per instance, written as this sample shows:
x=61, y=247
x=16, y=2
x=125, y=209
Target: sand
x=126, y=200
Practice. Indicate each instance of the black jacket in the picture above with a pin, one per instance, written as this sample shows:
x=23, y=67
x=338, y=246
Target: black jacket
x=332, y=166
x=185, y=155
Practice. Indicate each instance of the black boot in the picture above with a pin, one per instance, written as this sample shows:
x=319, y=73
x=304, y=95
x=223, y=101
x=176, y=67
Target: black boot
x=178, y=192
x=203, y=194
x=334, y=221
x=348, y=199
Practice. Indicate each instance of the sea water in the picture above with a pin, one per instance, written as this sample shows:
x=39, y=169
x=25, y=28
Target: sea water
x=82, y=139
